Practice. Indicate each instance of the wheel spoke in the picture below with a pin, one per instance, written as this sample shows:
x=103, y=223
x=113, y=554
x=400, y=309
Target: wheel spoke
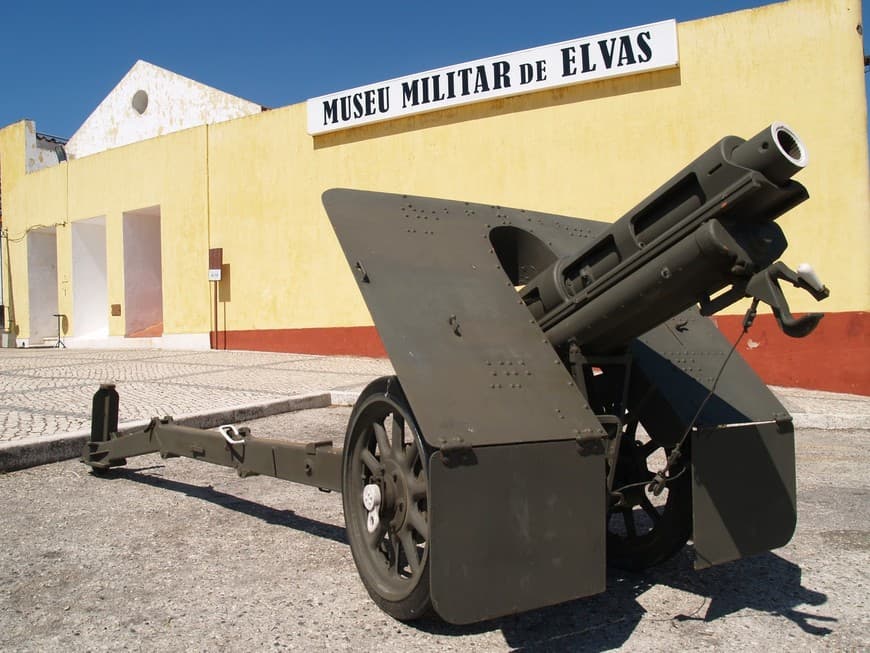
x=393, y=548
x=410, y=548
x=398, y=434
x=371, y=462
x=381, y=437
x=647, y=449
x=650, y=509
x=418, y=522
x=417, y=487
x=412, y=454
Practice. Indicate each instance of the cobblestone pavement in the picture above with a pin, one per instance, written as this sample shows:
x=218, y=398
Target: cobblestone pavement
x=45, y=392
x=49, y=391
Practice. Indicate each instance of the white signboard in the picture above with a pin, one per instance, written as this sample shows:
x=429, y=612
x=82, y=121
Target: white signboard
x=614, y=54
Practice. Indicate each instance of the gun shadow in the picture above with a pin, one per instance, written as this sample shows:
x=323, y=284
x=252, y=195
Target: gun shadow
x=765, y=583
x=269, y=515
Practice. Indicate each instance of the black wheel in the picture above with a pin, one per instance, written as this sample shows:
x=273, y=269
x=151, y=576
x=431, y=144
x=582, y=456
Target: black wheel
x=385, y=498
x=643, y=529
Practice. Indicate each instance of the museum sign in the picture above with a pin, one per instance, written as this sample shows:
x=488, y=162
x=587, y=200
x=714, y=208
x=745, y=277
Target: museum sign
x=613, y=54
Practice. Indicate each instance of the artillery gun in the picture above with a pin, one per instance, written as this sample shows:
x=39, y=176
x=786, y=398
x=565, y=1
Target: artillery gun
x=560, y=399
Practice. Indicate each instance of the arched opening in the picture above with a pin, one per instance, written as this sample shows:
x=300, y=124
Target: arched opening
x=522, y=254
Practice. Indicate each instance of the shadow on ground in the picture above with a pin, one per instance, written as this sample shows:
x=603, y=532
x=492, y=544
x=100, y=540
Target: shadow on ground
x=207, y=493
x=765, y=583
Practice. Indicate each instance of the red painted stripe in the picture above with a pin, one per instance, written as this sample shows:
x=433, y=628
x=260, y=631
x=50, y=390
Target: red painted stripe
x=335, y=341
x=835, y=357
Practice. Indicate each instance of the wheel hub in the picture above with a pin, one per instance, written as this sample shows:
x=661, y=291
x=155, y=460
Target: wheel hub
x=386, y=498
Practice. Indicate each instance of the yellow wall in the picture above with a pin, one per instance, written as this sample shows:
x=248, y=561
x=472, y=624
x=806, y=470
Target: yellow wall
x=12, y=171
x=252, y=186
x=168, y=171
x=592, y=151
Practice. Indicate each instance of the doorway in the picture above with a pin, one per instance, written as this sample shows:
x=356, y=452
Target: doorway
x=90, y=286
x=143, y=273
x=42, y=284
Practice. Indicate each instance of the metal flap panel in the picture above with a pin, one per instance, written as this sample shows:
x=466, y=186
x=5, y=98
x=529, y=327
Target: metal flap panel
x=681, y=359
x=743, y=489
x=519, y=528
x=743, y=457
x=473, y=362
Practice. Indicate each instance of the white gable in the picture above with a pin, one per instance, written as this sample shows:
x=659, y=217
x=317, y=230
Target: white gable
x=151, y=101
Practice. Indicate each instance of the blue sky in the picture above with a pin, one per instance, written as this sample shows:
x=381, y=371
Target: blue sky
x=58, y=60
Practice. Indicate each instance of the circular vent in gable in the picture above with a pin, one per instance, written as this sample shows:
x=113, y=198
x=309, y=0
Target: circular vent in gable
x=140, y=101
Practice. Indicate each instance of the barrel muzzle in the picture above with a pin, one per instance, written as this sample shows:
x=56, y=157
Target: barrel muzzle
x=776, y=151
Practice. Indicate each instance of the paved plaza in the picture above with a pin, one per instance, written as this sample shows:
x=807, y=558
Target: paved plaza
x=185, y=556
x=47, y=392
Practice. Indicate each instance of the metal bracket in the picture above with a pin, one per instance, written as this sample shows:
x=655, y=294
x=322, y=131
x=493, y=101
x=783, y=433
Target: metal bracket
x=363, y=275
x=591, y=445
x=764, y=286
x=783, y=421
x=231, y=434
x=456, y=452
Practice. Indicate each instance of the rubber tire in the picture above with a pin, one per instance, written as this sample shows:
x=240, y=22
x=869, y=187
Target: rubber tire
x=665, y=540
x=418, y=603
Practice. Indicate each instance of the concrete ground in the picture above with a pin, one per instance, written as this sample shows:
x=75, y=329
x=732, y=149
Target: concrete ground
x=175, y=555
x=170, y=555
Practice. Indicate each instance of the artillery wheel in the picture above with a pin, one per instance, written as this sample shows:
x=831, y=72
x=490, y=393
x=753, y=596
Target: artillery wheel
x=645, y=530
x=385, y=498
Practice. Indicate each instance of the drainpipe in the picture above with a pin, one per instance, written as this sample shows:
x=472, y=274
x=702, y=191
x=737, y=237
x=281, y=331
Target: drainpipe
x=7, y=334
x=2, y=305
x=7, y=338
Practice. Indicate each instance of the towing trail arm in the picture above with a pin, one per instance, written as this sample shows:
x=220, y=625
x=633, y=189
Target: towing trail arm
x=315, y=463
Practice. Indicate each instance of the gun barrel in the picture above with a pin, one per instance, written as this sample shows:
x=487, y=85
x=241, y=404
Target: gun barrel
x=708, y=227
x=776, y=152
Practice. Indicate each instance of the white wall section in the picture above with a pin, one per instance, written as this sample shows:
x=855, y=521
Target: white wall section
x=42, y=283
x=90, y=290
x=38, y=154
x=151, y=101
x=143, y=277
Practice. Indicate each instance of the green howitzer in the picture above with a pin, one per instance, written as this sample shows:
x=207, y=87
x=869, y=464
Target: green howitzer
x=711, y=226
x=560, y=401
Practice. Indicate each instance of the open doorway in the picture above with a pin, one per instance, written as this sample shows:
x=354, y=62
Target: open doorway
x=42, y=284
x=90, y=288
x=143, y=273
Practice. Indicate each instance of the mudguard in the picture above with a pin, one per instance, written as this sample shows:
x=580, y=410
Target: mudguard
x=743, y=484
x=742, y=447
x=518, y=527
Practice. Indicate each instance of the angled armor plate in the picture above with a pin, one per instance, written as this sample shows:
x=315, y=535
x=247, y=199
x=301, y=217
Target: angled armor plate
x=474, y=364
x=743, y=456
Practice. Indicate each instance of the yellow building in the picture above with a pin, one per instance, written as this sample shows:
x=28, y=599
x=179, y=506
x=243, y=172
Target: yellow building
x=116, y=239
